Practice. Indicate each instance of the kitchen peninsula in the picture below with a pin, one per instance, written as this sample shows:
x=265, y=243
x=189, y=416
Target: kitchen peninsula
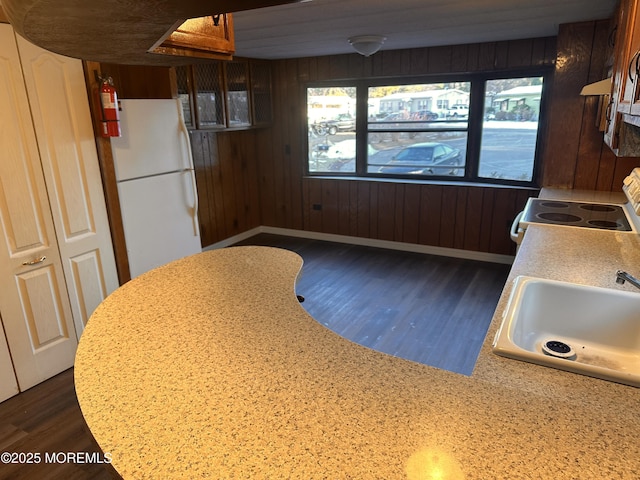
x=209, y=367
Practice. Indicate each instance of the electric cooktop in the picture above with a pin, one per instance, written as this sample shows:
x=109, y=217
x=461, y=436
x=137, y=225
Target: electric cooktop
x=576, y=214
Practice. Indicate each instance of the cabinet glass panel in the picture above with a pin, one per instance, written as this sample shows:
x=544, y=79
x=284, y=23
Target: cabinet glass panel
x=237, y=93
x=261, y=90
x=209, y=99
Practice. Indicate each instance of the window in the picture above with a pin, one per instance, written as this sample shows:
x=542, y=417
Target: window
x=413, y=140
x=331, y=119
x=479, y=128
x=510, y=128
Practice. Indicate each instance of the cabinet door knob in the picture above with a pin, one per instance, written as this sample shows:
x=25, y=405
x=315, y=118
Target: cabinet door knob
x=35, y=261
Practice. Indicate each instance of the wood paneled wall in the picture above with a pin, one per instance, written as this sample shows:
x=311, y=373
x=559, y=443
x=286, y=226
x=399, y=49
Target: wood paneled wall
x=227, y=179
x=141, y=81
x=575, y=155
x=256, y=177
x=467, y=217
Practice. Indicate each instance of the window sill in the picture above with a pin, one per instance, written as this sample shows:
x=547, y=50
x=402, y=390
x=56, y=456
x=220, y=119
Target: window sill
x=453, y=183
x=220, y=129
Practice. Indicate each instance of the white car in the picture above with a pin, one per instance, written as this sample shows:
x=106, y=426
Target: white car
x=346, y=149
x=458, y=111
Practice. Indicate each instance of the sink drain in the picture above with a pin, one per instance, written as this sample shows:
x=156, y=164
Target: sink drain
x=556, y=348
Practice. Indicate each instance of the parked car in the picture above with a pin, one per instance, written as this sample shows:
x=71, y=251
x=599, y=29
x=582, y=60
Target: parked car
x=458, y=111
x=394, y=117
x=425, y=159
x=426, y=115
x=342, y=123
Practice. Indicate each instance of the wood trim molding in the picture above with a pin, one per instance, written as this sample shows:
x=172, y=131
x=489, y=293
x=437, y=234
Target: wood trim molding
x=367, y=242
x=107, y=169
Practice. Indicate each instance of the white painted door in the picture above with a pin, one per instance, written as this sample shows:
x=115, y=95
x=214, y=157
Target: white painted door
x=8, y=383
x=61, y=116
x=34, y=304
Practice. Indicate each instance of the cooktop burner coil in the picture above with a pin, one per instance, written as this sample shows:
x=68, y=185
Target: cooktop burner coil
x=576, y=214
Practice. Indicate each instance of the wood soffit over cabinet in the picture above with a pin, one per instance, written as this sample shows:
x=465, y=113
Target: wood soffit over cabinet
x=204, y=37
x=119, y=31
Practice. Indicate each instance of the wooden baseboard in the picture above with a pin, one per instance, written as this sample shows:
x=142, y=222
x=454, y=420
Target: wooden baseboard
x=235, y=239
x=369, y=242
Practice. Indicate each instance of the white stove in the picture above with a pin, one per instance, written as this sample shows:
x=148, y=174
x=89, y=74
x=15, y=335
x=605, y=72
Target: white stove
x=618, y=217
x=576, y=214
x=631, y=188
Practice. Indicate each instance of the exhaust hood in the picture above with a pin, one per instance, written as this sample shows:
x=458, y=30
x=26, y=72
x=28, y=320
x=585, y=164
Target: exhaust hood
x=603, y=87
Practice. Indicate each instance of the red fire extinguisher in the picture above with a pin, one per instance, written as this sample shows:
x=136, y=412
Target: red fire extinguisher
x=110, y=121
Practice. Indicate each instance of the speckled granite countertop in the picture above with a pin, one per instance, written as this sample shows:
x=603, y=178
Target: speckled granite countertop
x=210, y=368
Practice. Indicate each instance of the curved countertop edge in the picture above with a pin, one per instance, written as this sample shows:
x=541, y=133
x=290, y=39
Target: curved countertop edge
x=248, y=384
x=111, y=31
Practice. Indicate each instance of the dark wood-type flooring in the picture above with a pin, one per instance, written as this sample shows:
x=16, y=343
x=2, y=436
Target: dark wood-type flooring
x=47, y=419
x=426, y=308
x=429, y=309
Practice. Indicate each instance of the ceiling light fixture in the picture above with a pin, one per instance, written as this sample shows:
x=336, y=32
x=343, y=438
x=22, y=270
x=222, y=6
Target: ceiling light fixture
x=367, y=45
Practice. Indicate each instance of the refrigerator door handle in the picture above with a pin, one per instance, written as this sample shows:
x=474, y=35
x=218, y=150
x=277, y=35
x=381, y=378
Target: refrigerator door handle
x=194, y=189
x=194, y=208
x=184, y=131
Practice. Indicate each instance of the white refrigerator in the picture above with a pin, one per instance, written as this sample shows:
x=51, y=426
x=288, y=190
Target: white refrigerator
x=156, y=184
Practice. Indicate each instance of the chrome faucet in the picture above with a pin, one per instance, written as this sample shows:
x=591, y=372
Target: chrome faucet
x=622, y=277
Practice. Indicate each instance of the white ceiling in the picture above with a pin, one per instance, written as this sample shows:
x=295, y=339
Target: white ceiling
x=321, y=27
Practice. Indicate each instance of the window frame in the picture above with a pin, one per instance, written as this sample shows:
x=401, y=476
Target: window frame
x=474, y=127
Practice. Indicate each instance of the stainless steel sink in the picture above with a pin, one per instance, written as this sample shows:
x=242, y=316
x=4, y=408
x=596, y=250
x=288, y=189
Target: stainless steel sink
x=582, y=329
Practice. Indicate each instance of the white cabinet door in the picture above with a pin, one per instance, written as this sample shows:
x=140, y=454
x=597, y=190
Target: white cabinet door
x=8, y=383
x=34, y=304
x=61, y=116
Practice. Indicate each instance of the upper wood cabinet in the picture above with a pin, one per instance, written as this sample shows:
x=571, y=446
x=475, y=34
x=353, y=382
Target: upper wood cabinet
x=614, y=69
x=226, y=95
x=260, y=76
x=621, y=135
x=215, y=94
x=628, y=57
x=203, y=37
